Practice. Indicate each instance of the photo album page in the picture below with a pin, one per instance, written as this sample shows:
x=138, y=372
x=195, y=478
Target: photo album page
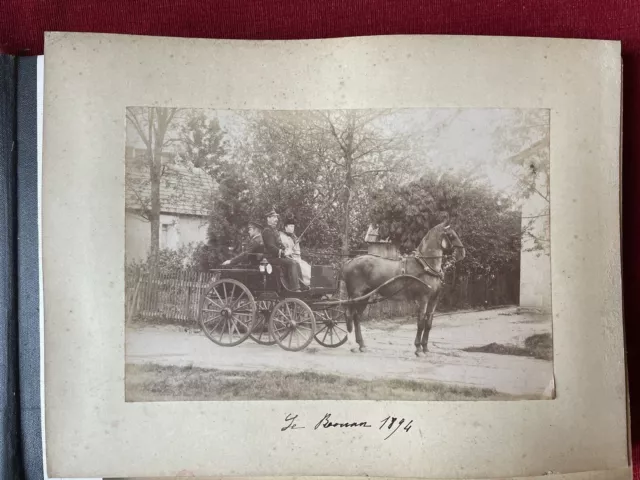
x=392, y=256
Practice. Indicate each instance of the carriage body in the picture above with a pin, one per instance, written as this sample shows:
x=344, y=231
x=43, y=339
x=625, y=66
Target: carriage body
x=252, y=300
x=324, y=281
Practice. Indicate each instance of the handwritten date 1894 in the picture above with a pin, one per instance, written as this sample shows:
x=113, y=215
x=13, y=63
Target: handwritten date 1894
x=389, y=423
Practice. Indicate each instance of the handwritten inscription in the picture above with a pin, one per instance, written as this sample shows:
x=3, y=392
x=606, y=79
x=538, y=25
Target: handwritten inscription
x=327, y=423
x=291, y=425
x=390, y=421
x=388, y=424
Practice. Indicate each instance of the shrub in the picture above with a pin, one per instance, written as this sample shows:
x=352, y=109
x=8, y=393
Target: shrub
x=169, y=261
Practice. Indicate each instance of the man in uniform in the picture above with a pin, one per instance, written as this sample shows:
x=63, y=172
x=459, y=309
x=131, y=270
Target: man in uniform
x=254, y=247
x=274, y=250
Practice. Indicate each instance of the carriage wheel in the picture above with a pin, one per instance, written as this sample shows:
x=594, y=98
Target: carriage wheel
x=332, y=327
x=292, y=324
x=260, y=332
x=227, y=312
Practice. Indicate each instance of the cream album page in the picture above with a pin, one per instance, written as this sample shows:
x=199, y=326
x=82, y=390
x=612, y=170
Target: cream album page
x=392, y=256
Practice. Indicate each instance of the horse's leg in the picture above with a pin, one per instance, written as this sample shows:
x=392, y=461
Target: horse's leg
x=428, y=319
x=421, y=316
x=357, y=315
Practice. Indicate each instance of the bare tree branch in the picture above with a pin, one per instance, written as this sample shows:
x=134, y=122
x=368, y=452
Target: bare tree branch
x=131, y=116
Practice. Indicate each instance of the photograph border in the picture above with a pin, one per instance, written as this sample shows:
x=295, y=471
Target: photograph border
x=177, y=311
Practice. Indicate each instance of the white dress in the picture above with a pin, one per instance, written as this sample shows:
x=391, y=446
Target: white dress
x=292, y=250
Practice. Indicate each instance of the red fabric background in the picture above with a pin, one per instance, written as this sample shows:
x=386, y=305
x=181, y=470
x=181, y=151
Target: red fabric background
x=22, y=23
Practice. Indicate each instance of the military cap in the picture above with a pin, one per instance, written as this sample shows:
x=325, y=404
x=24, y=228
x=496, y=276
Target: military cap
x=256, y=225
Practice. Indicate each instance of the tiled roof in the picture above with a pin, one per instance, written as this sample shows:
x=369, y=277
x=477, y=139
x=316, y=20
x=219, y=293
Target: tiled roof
x=183, y=190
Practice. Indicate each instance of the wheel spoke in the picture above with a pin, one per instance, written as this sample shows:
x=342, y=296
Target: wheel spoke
x=213, y=301
x=212, y=318
x=209, y=310
x=338, y=327
x=325, y=335
x=237, y=300
x=287, y=332
x=222, y=330
x=217, y=323
x=324, y=327
x=235, y=325
x=219, y=297
x=238, y=320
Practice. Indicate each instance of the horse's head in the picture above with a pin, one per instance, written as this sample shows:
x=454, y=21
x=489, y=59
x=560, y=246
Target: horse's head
x=442, y=240
x=451, y=244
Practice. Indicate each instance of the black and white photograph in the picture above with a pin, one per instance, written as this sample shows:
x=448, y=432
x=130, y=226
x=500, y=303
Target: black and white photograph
x=388, y=254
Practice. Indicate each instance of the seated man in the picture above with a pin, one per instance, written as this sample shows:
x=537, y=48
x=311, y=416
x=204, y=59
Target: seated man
x=274, y=250
x=255, y=247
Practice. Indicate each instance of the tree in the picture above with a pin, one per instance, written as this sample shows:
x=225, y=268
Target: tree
x=525, y=143
x=295, y=160
x=152, y=125
x=228, y=220
x=363, y=154
x=202, y=143
x=486, y=222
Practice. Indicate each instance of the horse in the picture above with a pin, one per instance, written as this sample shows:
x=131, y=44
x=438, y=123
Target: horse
x=365, y=273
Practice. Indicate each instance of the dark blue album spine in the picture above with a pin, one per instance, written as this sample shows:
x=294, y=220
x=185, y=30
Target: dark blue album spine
x=10, y=460
x=27, y=265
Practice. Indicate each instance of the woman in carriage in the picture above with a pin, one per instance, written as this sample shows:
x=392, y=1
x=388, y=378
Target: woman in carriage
x=292, y=248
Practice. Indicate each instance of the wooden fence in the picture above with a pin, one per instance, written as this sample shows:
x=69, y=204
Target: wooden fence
x=164, y=296
x=175, y=297
x=464, y=292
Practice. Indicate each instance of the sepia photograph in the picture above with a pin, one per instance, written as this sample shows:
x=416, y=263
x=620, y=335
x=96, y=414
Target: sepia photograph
x=391, y=254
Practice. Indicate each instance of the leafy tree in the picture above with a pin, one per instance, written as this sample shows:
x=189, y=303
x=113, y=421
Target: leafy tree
x=233, y=208
x=324, y=163
x=485, y=221
x=525, y=141
x=202, y=143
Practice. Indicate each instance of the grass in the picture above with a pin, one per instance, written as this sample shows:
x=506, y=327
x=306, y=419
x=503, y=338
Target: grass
x=169, y=383
x=538, y=346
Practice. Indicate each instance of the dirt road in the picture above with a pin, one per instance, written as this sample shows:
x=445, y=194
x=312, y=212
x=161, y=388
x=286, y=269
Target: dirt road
x=390, y=352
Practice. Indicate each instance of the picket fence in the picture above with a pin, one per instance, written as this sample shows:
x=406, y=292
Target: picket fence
x=165, y=296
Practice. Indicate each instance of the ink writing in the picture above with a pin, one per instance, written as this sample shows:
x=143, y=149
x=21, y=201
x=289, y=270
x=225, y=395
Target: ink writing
x=389, y=425
x=389, y=422
x=327, y=423
x=291, y=425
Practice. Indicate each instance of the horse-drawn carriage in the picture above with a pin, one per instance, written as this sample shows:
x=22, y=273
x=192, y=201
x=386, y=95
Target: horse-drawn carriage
x=253, y=301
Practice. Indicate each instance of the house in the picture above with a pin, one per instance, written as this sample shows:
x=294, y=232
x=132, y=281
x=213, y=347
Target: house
x=378, y=246
x=185, y=203
x=535, y=263
x=535, y=257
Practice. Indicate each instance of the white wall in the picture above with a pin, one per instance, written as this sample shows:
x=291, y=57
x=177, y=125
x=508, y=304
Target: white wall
x=535, y=267
x=175, y=232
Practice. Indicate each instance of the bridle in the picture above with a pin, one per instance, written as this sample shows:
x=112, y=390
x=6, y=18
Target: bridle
x=428, y=268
